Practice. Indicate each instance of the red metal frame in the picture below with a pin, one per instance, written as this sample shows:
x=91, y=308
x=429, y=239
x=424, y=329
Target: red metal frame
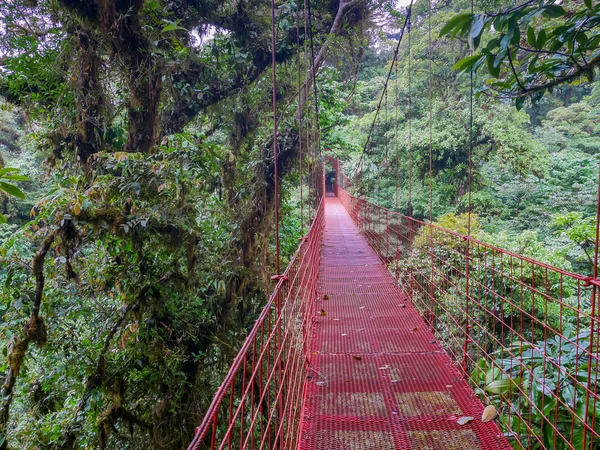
x=258, y=405
x=524, y=333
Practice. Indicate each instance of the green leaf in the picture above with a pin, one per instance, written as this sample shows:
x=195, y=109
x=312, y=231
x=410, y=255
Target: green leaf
x=475, y=32
x=552, y=11
x=493, y=69
x=507, y=38
x=541, y=39
x=531, y=37
x=499, y=57
x=16, y=177
x=467, y=63
x=2, y=218
x=6, y=170
x=519, y=102
x=581, y=38
x=588, y=3
x=499, y=386
x=492, y=374
x=11, y=190
x=172, y=27
x=456, y=22
x=492, y=44
x=477, y=26
x=516, y=38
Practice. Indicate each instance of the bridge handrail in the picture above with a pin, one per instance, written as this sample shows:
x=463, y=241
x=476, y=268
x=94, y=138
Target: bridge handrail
x=584, y=278
x=229, y=427
x=526, y=334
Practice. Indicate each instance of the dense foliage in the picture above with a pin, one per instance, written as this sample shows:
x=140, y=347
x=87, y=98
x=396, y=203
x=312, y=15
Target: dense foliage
x=140, y=133
x=534, y=178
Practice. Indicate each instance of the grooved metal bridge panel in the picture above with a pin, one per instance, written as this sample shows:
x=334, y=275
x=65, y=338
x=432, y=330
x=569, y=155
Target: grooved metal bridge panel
x=378, y=379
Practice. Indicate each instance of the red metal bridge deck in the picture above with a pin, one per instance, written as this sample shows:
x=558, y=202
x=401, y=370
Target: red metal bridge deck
x=378, y=378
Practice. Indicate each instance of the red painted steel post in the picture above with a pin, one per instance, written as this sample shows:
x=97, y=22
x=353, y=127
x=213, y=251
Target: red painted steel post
x=214, y=433
x=387, y=237
x=410, y=258
x=467, y=303
x=593, y=318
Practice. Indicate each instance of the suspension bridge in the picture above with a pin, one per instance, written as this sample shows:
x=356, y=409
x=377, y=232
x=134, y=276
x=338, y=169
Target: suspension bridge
x=387, y=332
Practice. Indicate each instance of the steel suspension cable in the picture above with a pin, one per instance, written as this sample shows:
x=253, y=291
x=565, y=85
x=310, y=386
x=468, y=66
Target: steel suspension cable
x=430, y=91
x=378, y=196
x=387, y=147
x=468, y=242
x=397, y=106
x=594, y=312
x=275, y=149
x=410, y=150
x=300, y=118
x=314, y=76
x=407, y=18
x=410, y=162
x=310, y=176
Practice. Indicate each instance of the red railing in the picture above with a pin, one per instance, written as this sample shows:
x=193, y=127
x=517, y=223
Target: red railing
x=524, y=333
x=258, y=406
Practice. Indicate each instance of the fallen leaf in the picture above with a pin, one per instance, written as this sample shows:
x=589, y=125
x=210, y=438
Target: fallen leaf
x=362, y=307
x=448, y=385
x=357, y=357
x=323, y=312
x=326, y=297
x=344, y=334
x=386, y=367
x=415, y=330
x=402, y=306
x=464, y=420
x=489, y=413
x=394, y=381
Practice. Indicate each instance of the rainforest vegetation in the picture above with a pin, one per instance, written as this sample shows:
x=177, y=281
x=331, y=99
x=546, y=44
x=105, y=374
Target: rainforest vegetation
x=137, y=177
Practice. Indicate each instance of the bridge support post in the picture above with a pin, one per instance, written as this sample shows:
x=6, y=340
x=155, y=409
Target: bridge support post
x=410, y=257
x=467, y=304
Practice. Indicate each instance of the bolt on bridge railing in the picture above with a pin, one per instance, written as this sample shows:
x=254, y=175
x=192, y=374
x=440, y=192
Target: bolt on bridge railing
x=526, y=336
x=258, y=405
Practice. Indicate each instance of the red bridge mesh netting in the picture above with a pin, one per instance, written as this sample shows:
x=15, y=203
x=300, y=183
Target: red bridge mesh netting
x=378, y=377
x=380, y=338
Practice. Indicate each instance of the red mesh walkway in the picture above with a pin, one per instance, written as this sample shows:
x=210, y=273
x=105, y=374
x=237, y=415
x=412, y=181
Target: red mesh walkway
x=378, y=379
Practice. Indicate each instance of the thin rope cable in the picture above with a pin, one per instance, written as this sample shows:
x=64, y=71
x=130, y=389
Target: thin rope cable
x=431, y=285
x=594, y=299
x=386, y=141
x=397, y=106
x=310, y=175
x=300, y=116
x=468, y=242
x=430, y=92
x=275, y=149
x=378, y=198
x=314, y=77
x=410, y=150
x=408, y=15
